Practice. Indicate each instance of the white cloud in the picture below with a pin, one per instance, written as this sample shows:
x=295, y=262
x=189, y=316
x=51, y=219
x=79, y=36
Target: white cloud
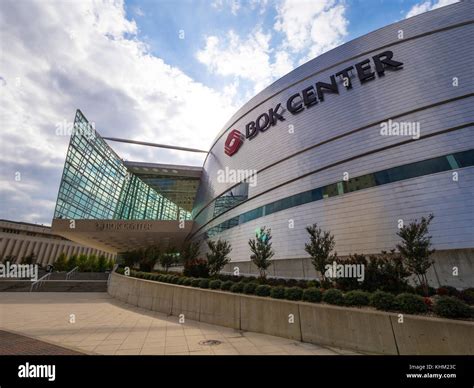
x=428, y=6
x=85, y=54
x=311, y=27
x=233, y=5
x=248, y=59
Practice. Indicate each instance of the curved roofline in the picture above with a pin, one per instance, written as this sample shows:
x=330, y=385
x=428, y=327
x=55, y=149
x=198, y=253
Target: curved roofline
x=257, y=100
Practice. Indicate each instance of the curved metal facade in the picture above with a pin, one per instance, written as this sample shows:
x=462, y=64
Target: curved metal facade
x=341, y=135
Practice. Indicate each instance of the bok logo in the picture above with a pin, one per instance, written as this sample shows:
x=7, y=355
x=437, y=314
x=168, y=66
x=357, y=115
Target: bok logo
x=233, y=142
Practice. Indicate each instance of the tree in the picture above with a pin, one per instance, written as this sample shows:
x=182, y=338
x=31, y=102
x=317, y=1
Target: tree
x=261, y=248
x=168, y=258
x=61, y=263
x=30, y=259
x=148, y=257
x=415, y=249
x=72, y=262
x=217, y=256
x=189, y=252
x=320, y=247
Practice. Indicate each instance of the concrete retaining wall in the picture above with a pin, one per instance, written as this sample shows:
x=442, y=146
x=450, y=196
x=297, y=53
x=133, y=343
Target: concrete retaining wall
x=359, y=329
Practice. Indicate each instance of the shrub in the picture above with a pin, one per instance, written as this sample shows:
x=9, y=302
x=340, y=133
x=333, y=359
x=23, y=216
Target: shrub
x=467, y=295
x=187, y=281
x=442, y=291
x=215, y=284
x=450, y=307
x=357, y=298
x=333, y=296
x=302, y=284
x=180, y=281
x=237, y=287
x=248, y=279
x=293, y=293
x=277, y=292
x=382, y=300
x=313, y=295
x=313, y=283
x=196, y=268
x=452, y=291
x=204, y=283
x=249, y=288
x=174, y=279
x=291, y=282
x=426, y=290
x=195, y=282
x=227, y=285
x=410, y=303
x=101, y=263
x=72, y=262
x=61, y=263
x=263, y=290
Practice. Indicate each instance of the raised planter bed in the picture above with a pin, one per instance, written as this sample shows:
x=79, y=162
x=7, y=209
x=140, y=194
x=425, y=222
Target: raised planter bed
x=361, y=329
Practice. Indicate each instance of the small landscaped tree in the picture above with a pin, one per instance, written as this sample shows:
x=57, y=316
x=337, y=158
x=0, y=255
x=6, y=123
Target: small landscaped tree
x=189, y=252
x=217, y=257
x=320, y=247
x=261, y=248
x=415, y=249
x=168, y=258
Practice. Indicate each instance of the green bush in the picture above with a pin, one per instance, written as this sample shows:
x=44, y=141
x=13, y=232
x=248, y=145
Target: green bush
x=410, y=303
x=187, y=281
x=237, y=287
x=313, y=295
x=195, y=282
x=450, y=307
x=180, y=281
x=61, y=263
x=313, y=284
x=215, y=284
x=227, y=285
x=263, y=290
x=174, y=279
x=382, y=300
x=278, y=292
x=467, y=295
x=357, y=298
x=293, y=293
x=204, y=283
x=249, y=288
x=333, y=296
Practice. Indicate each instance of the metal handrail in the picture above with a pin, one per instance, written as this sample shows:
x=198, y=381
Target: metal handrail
x=40, y=281
x=72, y=272
x=114, y=268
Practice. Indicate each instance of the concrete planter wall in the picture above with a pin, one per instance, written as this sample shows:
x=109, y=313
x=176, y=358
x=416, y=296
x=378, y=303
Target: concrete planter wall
x=359, y=329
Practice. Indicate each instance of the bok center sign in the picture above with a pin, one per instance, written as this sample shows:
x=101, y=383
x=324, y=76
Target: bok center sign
x=311, y=96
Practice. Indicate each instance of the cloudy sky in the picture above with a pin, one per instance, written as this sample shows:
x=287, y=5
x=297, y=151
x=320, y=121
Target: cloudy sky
x=168, y=72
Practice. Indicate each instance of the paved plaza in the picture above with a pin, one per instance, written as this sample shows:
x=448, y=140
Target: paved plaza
x=95, y=323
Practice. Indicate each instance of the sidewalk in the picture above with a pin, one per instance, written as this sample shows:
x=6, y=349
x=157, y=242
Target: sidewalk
x=95, y=323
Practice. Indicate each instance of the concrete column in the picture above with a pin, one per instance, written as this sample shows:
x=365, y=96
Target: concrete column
x=53, y=254
x=47, y=253
x=41, y=252
x=22, y=250
x=3, y=244
x=9, y=247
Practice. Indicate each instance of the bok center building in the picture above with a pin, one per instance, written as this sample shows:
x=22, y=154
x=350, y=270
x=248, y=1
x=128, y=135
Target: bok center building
x=375, y=132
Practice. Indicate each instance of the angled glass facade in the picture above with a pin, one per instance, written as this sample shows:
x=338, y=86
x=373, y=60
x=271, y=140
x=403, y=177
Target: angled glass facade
x=97, y=185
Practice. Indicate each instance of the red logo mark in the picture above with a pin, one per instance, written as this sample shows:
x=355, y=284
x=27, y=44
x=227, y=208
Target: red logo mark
x=233, y=142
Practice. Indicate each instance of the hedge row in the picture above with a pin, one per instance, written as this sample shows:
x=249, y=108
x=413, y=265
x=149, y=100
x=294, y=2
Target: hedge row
x=445, y=306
